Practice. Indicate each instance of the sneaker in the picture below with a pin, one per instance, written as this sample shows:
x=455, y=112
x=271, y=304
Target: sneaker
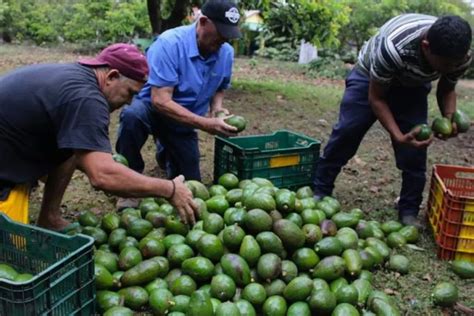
x=411, y=220
x=123, y=203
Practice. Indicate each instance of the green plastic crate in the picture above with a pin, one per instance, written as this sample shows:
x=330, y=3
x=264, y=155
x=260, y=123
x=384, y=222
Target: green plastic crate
x=63, y=269
x=286, y=158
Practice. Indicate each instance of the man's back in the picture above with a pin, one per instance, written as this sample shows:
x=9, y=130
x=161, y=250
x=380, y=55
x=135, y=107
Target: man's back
x=40, y=109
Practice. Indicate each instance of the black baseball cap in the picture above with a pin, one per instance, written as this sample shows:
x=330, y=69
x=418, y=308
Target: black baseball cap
x=225, y=15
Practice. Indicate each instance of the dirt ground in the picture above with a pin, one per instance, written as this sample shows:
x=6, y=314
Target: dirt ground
x=275, y=95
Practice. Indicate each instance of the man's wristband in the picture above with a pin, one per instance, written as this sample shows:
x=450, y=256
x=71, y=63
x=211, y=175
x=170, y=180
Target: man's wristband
x=173, y=191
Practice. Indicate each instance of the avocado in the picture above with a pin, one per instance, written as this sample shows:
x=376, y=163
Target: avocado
x=99, y=235
x=181, y=304
x=305, y=259
x=312, y=234
x=345, y=309
x=198, y=189
x=347, y=294
x=250, y=250
x=107, y=259
x=142, y=273
x=274, y=306
x=255, y=294
x=328, y=227
x=345, y=219
x=199, y=268
x=445, y=294
x=160, y=301
x=329, y=268
x=322, y=302
x=424, y=132
x=290, y=234
x=269, y=242
x=135, y=297
x=150, y=247
x=442, y=126
x=304, y=192
x=245, y=308
x=234, y=196
x=129, y=257
x=396, y=240
x=107, y=299
x=110, y=222
x=399, y=264
x=157, y=283
x=289, y=270
x=119, y=311
x=200, y=304
x=234, y=215
x=299, y=309
x=285, y=201
x=298, y=289
x=269, y=266
x=237, y=121
x=88, y=218
x=462, y=121
x=103, y=278
x=211, y=247
x=233, y=236
x=227, y=309
x=183, y=285
x=391, y=226
x=120, y=159
x=329, y=246
x=364, y=288
x=228, y=181
x=237, y=268
x=382, y=307
x=410, y=233
x=261, y=201
x=222, y=287
x=257, y=220
x=213, y=224
x=464, y=269
x=217, y=204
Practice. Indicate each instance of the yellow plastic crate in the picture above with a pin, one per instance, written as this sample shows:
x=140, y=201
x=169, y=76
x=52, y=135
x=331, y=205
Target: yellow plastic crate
x=450, y=211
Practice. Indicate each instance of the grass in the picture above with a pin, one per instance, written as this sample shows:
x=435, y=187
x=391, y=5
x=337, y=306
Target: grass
x=276, y=95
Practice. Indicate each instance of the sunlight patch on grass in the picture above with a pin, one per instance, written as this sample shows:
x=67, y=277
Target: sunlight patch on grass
x=325, y=96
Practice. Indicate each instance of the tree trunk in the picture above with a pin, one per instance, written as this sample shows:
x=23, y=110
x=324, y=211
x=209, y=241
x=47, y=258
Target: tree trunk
x=178, y=14
x=154, y=14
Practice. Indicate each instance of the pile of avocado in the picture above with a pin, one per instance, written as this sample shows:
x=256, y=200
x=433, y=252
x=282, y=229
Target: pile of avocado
x=256, y=250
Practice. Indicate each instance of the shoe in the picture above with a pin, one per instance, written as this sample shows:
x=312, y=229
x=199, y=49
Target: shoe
x=411, y=220
x=123, y=203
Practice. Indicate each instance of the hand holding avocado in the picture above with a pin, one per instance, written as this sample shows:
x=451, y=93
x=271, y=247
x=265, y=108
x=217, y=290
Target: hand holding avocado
x=182, y=199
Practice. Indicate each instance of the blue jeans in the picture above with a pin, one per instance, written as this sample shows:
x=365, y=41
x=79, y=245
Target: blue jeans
x=177, y=146
x=409, y=106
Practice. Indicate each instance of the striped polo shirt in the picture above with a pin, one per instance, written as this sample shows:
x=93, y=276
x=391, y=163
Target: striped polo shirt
x=394, y=56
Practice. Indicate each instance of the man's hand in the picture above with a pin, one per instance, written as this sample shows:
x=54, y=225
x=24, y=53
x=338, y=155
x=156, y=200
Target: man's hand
x=217, y=125
x=218, y=112
x=410, y=139
x=182, y=199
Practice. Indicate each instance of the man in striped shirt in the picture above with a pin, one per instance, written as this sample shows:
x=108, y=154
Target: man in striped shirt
x=390, y=83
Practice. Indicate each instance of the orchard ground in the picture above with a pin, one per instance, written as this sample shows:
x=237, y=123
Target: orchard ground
x=276, y=95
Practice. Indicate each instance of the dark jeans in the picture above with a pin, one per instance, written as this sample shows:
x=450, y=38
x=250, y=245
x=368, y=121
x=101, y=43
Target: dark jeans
x=409, y=106
x=178, y=148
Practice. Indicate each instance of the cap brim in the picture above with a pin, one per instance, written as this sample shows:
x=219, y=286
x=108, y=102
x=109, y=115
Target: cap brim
x=92, y=62
x=228, y=31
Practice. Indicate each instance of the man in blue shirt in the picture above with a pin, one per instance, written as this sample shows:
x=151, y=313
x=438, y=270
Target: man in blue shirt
x=190, y=67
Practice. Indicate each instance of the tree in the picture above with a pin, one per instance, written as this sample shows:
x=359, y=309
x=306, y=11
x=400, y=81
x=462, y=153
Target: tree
x=166, y=14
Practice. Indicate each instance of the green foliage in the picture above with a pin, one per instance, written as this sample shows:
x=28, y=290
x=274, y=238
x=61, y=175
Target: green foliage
x=74, y=21
x=329, y=65
x=368, y=15
x=317, y=22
